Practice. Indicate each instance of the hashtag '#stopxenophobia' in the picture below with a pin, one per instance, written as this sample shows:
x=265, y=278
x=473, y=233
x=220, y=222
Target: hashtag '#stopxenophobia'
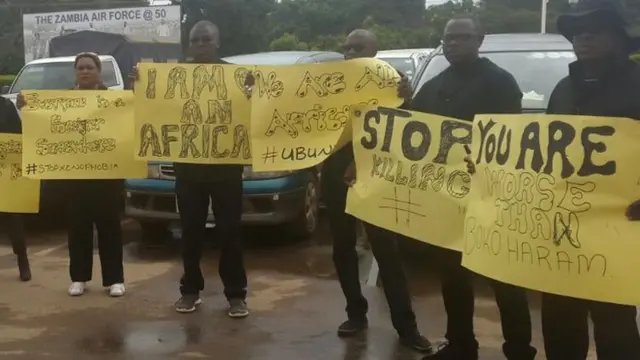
x=46, y=168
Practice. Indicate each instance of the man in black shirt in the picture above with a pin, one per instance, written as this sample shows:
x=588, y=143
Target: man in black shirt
x=361, y=44
x=472, y=85
x=197, y=186
x=10, y=123
x=603, y=82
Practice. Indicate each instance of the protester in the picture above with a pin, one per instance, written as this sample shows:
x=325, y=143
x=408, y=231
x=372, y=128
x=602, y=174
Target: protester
x=10, y=124
x=93, y=202
x=472, y=85
x=198, y=187
x=361, y=44
x=602, y=82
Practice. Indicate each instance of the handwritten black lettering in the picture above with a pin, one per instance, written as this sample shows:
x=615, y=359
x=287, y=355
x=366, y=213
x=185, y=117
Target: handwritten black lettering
x=195, y=141
x=33, y=102
x=265, y=84
x=316, y=119
x=494, y=242
x=427, y=177
x=322, y=85
x=383, y=76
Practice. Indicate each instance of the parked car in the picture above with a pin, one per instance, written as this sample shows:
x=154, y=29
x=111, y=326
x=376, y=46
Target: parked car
x=406, y=61
x=58, y=73
x=537, y=61
x=289, y=198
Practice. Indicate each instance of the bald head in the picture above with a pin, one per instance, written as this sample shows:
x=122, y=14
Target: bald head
x=204, y=41
x=360, y=43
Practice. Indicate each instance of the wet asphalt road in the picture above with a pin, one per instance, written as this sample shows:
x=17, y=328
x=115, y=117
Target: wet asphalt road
x=295, y=300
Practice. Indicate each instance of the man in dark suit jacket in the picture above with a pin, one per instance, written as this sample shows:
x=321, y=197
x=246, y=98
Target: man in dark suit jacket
x=10, y=123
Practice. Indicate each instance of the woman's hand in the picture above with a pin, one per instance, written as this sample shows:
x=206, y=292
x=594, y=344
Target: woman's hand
x=20, y=101
x=633, y=211
x=350, y=174
x=404, y=89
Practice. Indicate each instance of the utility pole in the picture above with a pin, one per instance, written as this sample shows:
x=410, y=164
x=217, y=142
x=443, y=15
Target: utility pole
x=543, y=17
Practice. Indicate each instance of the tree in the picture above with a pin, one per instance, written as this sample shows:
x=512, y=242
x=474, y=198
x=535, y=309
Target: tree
x=288, y=42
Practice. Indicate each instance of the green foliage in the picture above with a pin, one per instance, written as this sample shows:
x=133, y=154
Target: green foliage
x=6, y=79
x=258, y=25
x=288, y=42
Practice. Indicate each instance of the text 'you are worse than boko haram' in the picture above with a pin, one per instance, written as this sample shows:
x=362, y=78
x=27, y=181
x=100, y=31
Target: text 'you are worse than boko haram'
x=177, y=120
x=537, y=182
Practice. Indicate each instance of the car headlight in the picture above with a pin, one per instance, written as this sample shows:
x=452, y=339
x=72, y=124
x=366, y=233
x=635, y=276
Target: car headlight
x=153, y=171
x=249, y=174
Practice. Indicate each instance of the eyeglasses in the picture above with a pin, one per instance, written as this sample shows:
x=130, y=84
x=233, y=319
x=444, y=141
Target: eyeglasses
x=447, y=38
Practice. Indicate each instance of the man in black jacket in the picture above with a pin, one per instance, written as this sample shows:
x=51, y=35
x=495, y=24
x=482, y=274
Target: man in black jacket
x=198, y=186
x=472, y=85
x=603, y=82
x=362, y=44
x=10, y=123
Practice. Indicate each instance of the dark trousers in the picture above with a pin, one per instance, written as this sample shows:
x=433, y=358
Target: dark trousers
x=566, y=331
x=99, y=203
x=384, y=247
x=13, y=226
x=226, y=201
x=459, y=302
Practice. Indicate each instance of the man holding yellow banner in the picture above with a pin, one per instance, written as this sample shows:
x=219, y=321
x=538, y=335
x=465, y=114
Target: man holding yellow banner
x=472, y=85
x=203, y=182
x=363, y=44
x=603, y=82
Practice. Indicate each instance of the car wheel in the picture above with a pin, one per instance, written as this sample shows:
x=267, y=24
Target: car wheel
x=154, y=232
x=307, y=223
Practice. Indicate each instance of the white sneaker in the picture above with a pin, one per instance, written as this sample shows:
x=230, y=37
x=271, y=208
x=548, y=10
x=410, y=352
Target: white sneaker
x=116, y=290
x=76, y=288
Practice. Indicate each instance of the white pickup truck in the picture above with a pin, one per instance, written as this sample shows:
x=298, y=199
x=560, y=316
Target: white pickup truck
x=59, y=74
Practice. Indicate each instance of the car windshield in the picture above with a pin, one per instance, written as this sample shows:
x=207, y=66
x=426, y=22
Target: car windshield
x=57, y=76
x=537, y=73
x=403, y=65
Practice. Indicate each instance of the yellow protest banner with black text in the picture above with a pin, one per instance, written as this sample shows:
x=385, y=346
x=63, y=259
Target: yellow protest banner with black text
x=79, y=135
x=547, y=205
x=411, y=175
x=17, y=194
x=300, y=114
x=192, y=113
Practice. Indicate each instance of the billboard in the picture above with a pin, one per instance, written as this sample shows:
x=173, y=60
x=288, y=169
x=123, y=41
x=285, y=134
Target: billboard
x=155, y=24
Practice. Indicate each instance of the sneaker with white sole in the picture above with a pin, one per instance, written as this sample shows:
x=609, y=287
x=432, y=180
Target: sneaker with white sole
x=238, y=309
x=76, y=288
x=116, y=290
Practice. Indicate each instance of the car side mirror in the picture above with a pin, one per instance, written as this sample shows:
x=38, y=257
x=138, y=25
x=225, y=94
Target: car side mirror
x=5, y=89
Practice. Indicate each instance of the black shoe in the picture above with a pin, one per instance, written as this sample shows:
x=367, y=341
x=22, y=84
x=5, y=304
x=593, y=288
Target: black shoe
x=417, y=342
x=352, y=327
x=188, y=303
x=238, y=309
x=24, y=268
x=448, y=352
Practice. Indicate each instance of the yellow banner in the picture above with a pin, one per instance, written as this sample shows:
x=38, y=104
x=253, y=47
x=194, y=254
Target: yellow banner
x=411, y=176
x=192, y=113
x=79, y=135
x=17, y=194
x=547, y=206
x=299, y=113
